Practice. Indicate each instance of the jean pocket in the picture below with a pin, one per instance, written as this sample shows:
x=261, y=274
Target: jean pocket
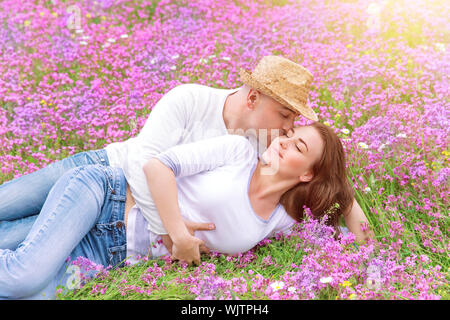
x=88, y=157
x=80, y=159
x=101, y=229
x=117, y=255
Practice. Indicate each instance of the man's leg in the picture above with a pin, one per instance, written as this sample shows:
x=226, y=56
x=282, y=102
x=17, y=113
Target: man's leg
x=12, y=233
x=24, y=197
x=73, y=206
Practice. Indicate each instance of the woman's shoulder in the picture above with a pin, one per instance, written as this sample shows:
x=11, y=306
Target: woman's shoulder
x=231, y=140
x=240, y=145
x=284, y=221
x=237, y=138
x=284, y=217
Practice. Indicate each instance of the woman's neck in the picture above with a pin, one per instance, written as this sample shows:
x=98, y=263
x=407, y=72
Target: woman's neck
x=268, y=187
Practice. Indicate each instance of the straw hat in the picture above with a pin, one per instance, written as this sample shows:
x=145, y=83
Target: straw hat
x=283, y=80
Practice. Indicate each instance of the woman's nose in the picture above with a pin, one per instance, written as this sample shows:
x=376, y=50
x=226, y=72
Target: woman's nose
x=283, y=142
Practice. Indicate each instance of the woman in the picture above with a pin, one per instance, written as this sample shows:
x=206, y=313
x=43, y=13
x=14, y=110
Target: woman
x=282, y=181
x=85, y=211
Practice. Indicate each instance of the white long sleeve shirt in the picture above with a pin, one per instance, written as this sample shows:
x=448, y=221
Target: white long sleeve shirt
x=213, y=178
x=187, y=113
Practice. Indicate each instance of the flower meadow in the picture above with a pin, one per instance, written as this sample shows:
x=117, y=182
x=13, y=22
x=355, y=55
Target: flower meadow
x=78, y=75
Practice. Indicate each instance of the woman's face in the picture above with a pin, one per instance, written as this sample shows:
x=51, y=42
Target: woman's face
x=294, y=154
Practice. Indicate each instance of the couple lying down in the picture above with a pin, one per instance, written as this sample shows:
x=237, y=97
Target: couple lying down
x=89, y=210
x=219, y=179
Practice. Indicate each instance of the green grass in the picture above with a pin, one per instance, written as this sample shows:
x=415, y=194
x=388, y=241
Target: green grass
x=282, y=253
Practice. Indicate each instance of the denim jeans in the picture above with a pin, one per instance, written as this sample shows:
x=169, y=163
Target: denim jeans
x=22, y=199
x=83, y=216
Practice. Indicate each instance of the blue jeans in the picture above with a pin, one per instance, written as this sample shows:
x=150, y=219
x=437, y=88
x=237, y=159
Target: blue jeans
x=22, y=199
x=83, y=215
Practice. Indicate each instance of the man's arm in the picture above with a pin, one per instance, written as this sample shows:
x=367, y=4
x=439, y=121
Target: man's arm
x=354, y=219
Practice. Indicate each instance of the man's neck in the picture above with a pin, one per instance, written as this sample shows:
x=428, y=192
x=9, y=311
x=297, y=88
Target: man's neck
x=230, y=111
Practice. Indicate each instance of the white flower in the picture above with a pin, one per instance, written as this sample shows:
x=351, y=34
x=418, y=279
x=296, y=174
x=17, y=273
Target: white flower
x=85, y=37
x=83, y=43
x=173, y=68
x=123, y=36
x=112, y=40
x=106, y=45
x=79, y=31
x=175, y=56
x=345, y=131
x=401, y=135
x=277, y=285
x=367, y=190
x=226, y=58
x=326, y=279
x=212, y=56
x=363, y=145
x=292, y=289
x=201, y=61
x=153, y=61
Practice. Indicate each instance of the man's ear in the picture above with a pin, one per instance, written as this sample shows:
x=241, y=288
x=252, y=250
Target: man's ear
x=252, y=97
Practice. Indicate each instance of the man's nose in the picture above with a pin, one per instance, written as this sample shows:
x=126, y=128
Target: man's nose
x=289, y=125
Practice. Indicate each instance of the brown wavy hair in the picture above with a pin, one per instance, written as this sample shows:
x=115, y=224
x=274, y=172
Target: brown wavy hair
x=328, y=187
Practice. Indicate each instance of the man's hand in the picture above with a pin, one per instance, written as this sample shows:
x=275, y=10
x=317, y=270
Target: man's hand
x=192, y=227
x=187, y=249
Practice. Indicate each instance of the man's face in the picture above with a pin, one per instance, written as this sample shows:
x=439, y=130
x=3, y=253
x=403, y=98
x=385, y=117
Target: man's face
x=269, y=117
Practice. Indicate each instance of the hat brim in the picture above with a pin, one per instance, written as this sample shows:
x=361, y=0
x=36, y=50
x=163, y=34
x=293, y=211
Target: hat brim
x=303, y=109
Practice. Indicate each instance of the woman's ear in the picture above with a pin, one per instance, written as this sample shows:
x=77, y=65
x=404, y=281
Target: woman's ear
x=306, y=177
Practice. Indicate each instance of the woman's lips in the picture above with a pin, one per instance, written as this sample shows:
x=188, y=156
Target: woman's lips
x=279, y=153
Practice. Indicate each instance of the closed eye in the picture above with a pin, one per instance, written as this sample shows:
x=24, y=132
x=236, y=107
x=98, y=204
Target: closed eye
x=291, y=133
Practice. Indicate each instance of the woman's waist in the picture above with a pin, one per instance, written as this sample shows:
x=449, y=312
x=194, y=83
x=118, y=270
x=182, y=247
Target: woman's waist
x=129, y=203
x=140, y=240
